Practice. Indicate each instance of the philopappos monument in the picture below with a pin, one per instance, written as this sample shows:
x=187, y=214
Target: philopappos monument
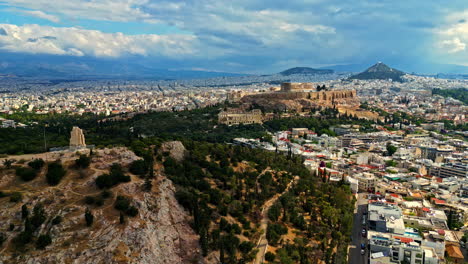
x=77, y=138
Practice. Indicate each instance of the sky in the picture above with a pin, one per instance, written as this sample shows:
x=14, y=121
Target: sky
x=245, y=36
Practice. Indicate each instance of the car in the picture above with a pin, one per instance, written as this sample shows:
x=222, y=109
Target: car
x=363, y=232
x=363, y=251
x=363, y=246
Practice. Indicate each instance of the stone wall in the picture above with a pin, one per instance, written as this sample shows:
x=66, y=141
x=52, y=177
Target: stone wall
x=322, y=95
x=239, y=116
x=288, y=87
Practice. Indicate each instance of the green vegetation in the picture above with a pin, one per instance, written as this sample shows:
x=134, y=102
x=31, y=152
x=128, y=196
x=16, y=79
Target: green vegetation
x=123, y=204
x=270, y=257
x=26, y=174
x=89, y=217
x=3, y=238
x=83, y=161
x=36, y=164
x=224, y=187
x=31, y=224
x=43, y=241
x=211, y=189
x=391, y=149
x=459, y=94
x=24, y=212
x=7, y=163
x=115, y=176
x=57, y=220
x=55, y=173
x=197, y=125
x=16, y=197
x=321, y=125
x=139, y=167
x=391, y=163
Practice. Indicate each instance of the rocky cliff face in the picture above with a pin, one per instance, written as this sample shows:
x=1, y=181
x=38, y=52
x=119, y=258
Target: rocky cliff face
x=160, y=233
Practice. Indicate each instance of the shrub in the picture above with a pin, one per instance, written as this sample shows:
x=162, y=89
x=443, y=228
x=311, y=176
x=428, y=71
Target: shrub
x=270, y=257
x=83, y=161
x=55, y=173
x=104, y=181
x=16, y=197
x=132, y=211
x=139, y=167
x=122, y=203
x=106, y=194
x=274, y=233
x=246, y=246
x=2, y=238
x=115, y=177
x=22, y=239
x=26, y=174
x=89, y=200
x=8, y=162
x=36, y=164
x=43, y=241
x=57, y=220
x=99, y=201
x=39, y=216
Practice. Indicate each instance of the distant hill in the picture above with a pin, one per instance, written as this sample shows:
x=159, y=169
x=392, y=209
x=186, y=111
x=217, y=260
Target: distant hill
x=379, y=71
x=69, y=67
x=305, y=70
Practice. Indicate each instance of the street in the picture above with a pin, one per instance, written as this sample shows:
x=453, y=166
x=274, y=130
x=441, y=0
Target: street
x=354, y=254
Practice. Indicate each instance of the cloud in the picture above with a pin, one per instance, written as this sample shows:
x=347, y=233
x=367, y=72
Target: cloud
x=252, y=34
x=453, y=45
x=104, y=10
x=80, y=42
x=452, y=37
x=39, y=14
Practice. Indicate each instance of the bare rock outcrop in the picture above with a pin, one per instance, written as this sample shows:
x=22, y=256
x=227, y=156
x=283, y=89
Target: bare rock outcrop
x=176, y=149
x=160, y=233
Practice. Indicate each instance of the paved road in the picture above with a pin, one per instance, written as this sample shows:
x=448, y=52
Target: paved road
x=354, y=254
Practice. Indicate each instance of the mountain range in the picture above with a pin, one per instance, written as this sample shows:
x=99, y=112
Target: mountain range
x=305, y=70
x=72, y=67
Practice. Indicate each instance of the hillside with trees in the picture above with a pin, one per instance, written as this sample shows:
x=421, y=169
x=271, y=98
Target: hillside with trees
x=224, y=187
x=460, y=94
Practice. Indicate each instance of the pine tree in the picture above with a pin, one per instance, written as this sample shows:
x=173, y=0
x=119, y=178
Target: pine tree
x=148, y=185
x=24, y=211
x=89, y=217
x=122, y=218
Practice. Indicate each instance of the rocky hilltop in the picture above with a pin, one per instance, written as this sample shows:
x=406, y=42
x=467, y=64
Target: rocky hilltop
x=299, y=101
x=380, y=71
x=159, y=233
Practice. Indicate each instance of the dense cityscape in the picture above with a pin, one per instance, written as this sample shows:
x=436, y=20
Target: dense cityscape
x=233, y=132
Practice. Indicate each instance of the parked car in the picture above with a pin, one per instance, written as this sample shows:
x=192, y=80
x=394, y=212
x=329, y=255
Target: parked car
x=363, y=232
x=363, y=246
x=363, y=251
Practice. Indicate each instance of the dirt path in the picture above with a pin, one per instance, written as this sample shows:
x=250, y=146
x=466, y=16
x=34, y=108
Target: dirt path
x=262, y=244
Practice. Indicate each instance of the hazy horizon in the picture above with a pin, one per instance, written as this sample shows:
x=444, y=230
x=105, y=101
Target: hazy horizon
x=240, y=37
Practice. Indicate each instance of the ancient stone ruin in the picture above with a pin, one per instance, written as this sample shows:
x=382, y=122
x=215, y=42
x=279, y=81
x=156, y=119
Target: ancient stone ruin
x=77, y=138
